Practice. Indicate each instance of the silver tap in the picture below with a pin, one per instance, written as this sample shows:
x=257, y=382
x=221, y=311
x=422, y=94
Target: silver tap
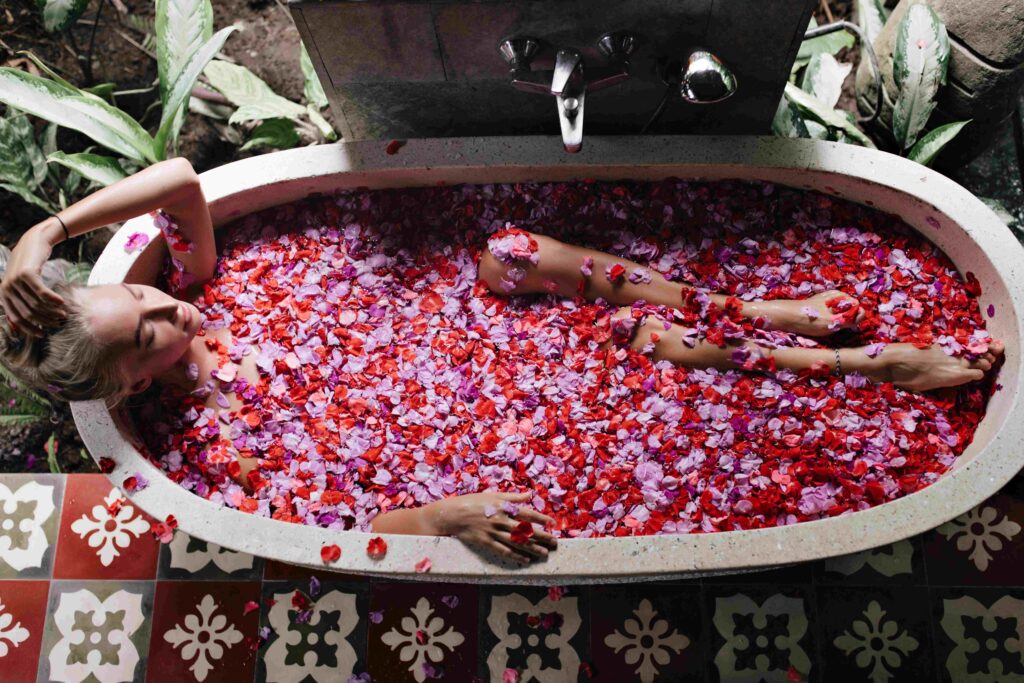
x=570, y=89
x=704, y=79
x=567, y=82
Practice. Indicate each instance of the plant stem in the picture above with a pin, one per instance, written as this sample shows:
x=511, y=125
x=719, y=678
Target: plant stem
x=828, y=12
x=85, y=66
x=92, y=36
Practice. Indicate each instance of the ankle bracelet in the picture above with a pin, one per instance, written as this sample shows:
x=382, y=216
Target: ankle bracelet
x=839, y=364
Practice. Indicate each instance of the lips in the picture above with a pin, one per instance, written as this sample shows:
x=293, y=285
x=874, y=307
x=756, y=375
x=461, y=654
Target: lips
x=186, y=315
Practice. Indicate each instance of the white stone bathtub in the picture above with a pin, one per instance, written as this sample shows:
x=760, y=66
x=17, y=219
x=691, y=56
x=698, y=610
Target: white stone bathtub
x=968, y=231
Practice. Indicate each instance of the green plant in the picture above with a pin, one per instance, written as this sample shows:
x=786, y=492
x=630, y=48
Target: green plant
x=20, y=405
x=24, y=170
x=281, y=119
x=185, y=44
x=59, y=15
x=919, y=65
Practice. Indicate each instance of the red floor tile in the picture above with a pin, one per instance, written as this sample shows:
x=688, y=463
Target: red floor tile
x=201, y=631
x=94, y=543
x=22, y=616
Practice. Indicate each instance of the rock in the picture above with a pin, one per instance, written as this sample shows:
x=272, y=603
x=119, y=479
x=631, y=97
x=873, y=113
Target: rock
x=986, y=72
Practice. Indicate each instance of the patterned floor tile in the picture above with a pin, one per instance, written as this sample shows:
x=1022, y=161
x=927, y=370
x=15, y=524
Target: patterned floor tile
x=422, y=631
x=650, y=634
x=190, y=558
x=96, y=630
x=897, y=563
x=984, y=546
x=316, y=632
x=761, y=632
x=979, y=634
x=29, y=513
x=874, y=634
x=102, y=536
x=22, y=616
x=543, y=640
x=203, y=631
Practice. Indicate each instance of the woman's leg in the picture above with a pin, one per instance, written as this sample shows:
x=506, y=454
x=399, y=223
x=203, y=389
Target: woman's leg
x=904, y=365
x=561, y=270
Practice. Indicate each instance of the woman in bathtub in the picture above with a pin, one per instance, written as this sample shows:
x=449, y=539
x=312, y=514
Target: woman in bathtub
x=109, y=341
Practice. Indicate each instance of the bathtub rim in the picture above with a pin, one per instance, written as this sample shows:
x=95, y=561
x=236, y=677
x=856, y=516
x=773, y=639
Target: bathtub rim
x=607, y=559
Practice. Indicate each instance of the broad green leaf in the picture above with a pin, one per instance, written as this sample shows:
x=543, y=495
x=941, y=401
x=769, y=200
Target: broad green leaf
x=919, y=67
x=320, y=122
x=278, y=133
x=932, y=143
x=830, y=43
x=814, y=109
x=19, y=153
x=253, y=97
x=315, y=94
x=871, y=19
x=101, y=169
x=87, y=114
x=817, y=131
x=182, y=88
x=59, y=15
x=787, y=122
x=824, y=78
x=56, y=77
x=181, y=27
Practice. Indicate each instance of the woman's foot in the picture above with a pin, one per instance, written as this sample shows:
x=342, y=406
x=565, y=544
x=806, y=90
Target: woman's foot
x=914, y=369
x=812, y=317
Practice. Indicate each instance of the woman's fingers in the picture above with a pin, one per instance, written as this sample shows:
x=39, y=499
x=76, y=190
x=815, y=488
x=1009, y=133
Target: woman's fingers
x=532, y=515
x=19, y=314
x=529, y=549
x=507, y=553
x=516, y=497
x=42, y=292
x=33, y=295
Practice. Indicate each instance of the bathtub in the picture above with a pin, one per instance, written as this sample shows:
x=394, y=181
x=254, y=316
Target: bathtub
x=943, y=211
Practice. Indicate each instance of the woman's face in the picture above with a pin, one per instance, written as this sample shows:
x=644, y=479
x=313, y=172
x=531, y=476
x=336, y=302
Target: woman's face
x=148, y=329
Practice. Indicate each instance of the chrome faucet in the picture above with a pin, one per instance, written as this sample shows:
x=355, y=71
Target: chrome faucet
x=567, y=81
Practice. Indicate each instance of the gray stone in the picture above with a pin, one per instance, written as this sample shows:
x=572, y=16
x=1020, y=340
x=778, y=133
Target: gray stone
x=977, y=89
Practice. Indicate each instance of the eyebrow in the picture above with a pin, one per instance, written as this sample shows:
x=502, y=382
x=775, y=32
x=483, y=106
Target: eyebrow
x=138, y=328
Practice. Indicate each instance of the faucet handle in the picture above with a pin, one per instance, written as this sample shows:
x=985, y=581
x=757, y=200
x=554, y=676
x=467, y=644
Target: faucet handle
x=519, y=52
x=617, y=47
x=705, y=79
x=568, y=74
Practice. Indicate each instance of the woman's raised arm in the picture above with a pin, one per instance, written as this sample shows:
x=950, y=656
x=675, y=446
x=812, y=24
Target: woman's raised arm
x=170, y=185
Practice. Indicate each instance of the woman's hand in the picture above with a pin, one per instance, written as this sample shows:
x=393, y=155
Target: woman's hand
x=31, y=306
x=466, y=517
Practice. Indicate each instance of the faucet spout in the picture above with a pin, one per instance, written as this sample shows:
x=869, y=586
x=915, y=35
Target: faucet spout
x=569, y=88
x=570, y=118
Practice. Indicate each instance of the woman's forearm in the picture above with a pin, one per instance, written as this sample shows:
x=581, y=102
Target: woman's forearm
x=420, y=521
x=170, y=185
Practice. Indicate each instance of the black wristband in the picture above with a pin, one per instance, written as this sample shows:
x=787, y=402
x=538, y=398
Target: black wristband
x=66, y=235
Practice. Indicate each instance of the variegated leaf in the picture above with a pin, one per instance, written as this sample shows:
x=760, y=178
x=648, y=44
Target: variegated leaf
x=181, y=27
x=59, y=15
x=101, y=169
x=824, y=78
x=253, y=97
x=814, y=109
x=920, y=62
x=932, y=143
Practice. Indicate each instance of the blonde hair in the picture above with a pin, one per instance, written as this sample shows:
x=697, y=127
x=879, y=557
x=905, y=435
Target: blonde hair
x=68, y=362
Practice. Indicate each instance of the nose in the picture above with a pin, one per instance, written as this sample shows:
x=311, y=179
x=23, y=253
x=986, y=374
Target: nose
x=162, y=306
